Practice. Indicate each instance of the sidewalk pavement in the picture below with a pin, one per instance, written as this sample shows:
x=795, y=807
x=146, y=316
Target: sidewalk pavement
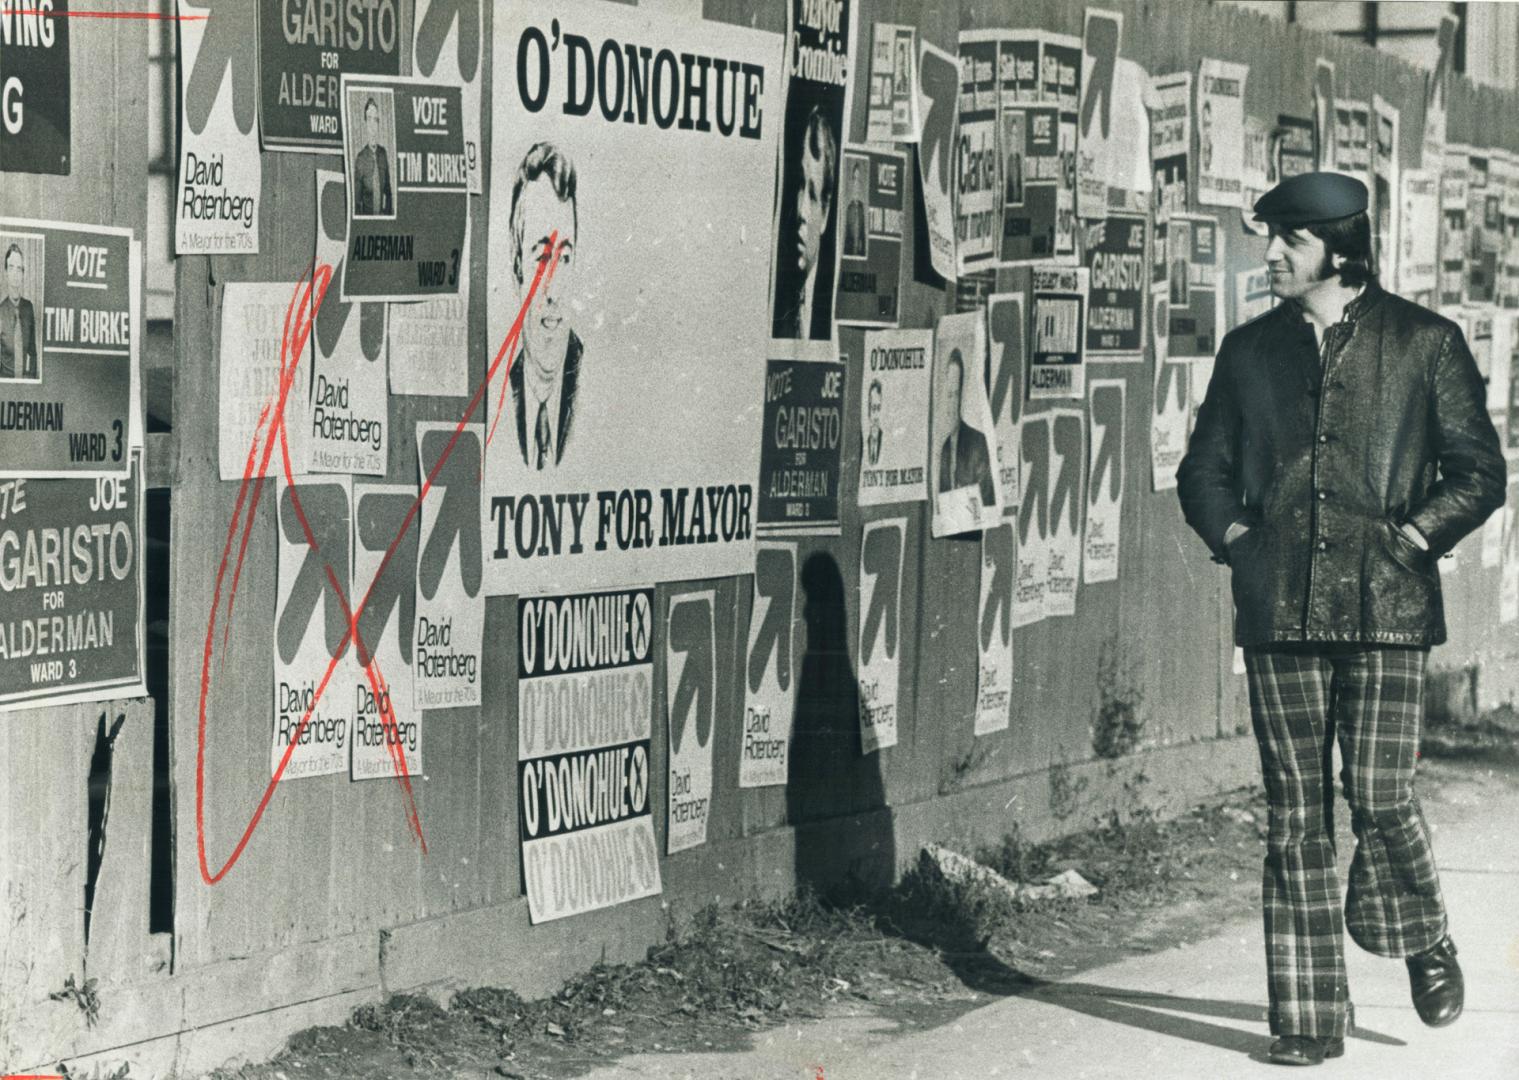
x=1197, y=1010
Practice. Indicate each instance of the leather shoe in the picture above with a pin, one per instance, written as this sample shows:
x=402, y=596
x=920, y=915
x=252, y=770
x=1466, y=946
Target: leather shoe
x=1435, y=980
x=1304, y=1050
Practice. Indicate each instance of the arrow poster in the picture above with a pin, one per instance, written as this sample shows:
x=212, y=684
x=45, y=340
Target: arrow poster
x=893, y=112
x=1196, y=261
x=938, y=92
x=962, y=461
x=1057, y=362
x=220, y=171
x=1220, y=131
x=803, y=433
x=881, y=552
x=894, y=417
x=1107, y=410
x=311, y=628
x=585, y=707
x=870, y=267
x=691, y=697
x=448, y=51
x=252, y=328
x=994, y=631
x=1033, y=546
x=387, y=726
x=819, y=61
x=408, y=188
x=1169, y=417
x=1113, y=168
x=771, y=667
x=449, y=641
x=1118, y=286
x=1007, y=349
x=346, y=418
x=1068, y=463
x=977, y=195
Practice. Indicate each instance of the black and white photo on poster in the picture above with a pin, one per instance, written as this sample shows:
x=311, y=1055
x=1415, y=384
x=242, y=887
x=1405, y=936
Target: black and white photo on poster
x=36, y=88
x=1195, y=258
x=585, y=711
x=1057, y=331
x=892, y=115
x=623, y=447
x=962, y=440
x=1220, y=131
x=819, y=62
x=220, y=171
x=870, y=267
x=408, y=189
x=894, y=405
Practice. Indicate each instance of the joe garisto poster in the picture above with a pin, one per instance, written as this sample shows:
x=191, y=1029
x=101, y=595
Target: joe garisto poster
x=68, y=355
x=585, y=667
x=624, y=444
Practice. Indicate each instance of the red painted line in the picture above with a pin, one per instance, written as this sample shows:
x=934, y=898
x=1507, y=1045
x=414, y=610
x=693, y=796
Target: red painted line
x=49, y=14
x=307, y=306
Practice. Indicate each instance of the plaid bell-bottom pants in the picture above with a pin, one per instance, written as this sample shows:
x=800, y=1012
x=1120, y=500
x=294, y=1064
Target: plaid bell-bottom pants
x=1372, y=699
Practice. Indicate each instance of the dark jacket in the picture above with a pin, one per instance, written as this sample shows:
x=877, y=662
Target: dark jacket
x=973, y=465
x=18, y=358
x=369, y=162
x=569, y=376
x=1325, y=465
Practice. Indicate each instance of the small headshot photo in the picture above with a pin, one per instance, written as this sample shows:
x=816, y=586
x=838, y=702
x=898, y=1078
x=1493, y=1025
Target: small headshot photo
x=20, y=357
x=1013, y=139
x=902, y=69
x=1181, y=244
x=806, y=236
x=370, y=122
x=856, y=194
x=963, y=458
x=874, y=436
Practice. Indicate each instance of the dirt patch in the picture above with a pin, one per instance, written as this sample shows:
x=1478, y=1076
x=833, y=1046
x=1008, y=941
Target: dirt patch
x=919, y=955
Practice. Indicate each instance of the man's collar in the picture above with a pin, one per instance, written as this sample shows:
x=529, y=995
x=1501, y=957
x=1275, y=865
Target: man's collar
x=1359, y=305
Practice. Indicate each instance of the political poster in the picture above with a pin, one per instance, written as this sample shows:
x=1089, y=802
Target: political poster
x=38, y=90
x=1169, y=420
x=1196, y=258
x=870, y=266
x=449, y=52
x=1107, y=409
x=252, y=332
x=1057, y=331
x=882, y=545
x=938, y=94
x=1252, y=294
x=1325, y=137
x=1386, y=187
x=892, y=115
x=1169, y=100
x=1417, y=266
x=1031, y=583
x=345, y=418
x=1113, y=170
x=71, y=589
x=803, y=439
x=1295, y=150
x=220, y=171
x=68, y=349
x=1451, y=288
x=428, y=341
x=387, y=725
x=1260, y=173
x=623, y=447
x=1508, y=575
x=1352, y=139
x=961, y=438
x=894, y=417
x=1220, y=131
x=1034, y=192
x=1067, y=501
x=304, y=48
x=772, y=665
x=314, y=579
x=408, y=188
x=1118, y=286
x=449, y=642
x=691, y=699
x=1006, y=376
x=994, y=631
x=818, y=62
x=1484, y=229
x=585, y=707
x=977, y=181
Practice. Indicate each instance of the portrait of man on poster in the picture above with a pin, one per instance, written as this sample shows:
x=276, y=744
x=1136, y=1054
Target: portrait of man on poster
x=547, y=367
x=805, y=239
x=963, y=457
x=370, y=182
x=18, y=317
x=854, y=212
x=874, y=436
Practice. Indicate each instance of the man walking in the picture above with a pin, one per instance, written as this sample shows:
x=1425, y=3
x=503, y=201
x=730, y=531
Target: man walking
x=1343, y=446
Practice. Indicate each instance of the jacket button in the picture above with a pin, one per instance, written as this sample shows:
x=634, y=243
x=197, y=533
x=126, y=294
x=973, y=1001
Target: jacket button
x=1323, y=545
x=1323, y=438
x=1323, y=495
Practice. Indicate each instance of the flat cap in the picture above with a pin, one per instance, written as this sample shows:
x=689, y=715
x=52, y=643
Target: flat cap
x=1310, y=199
